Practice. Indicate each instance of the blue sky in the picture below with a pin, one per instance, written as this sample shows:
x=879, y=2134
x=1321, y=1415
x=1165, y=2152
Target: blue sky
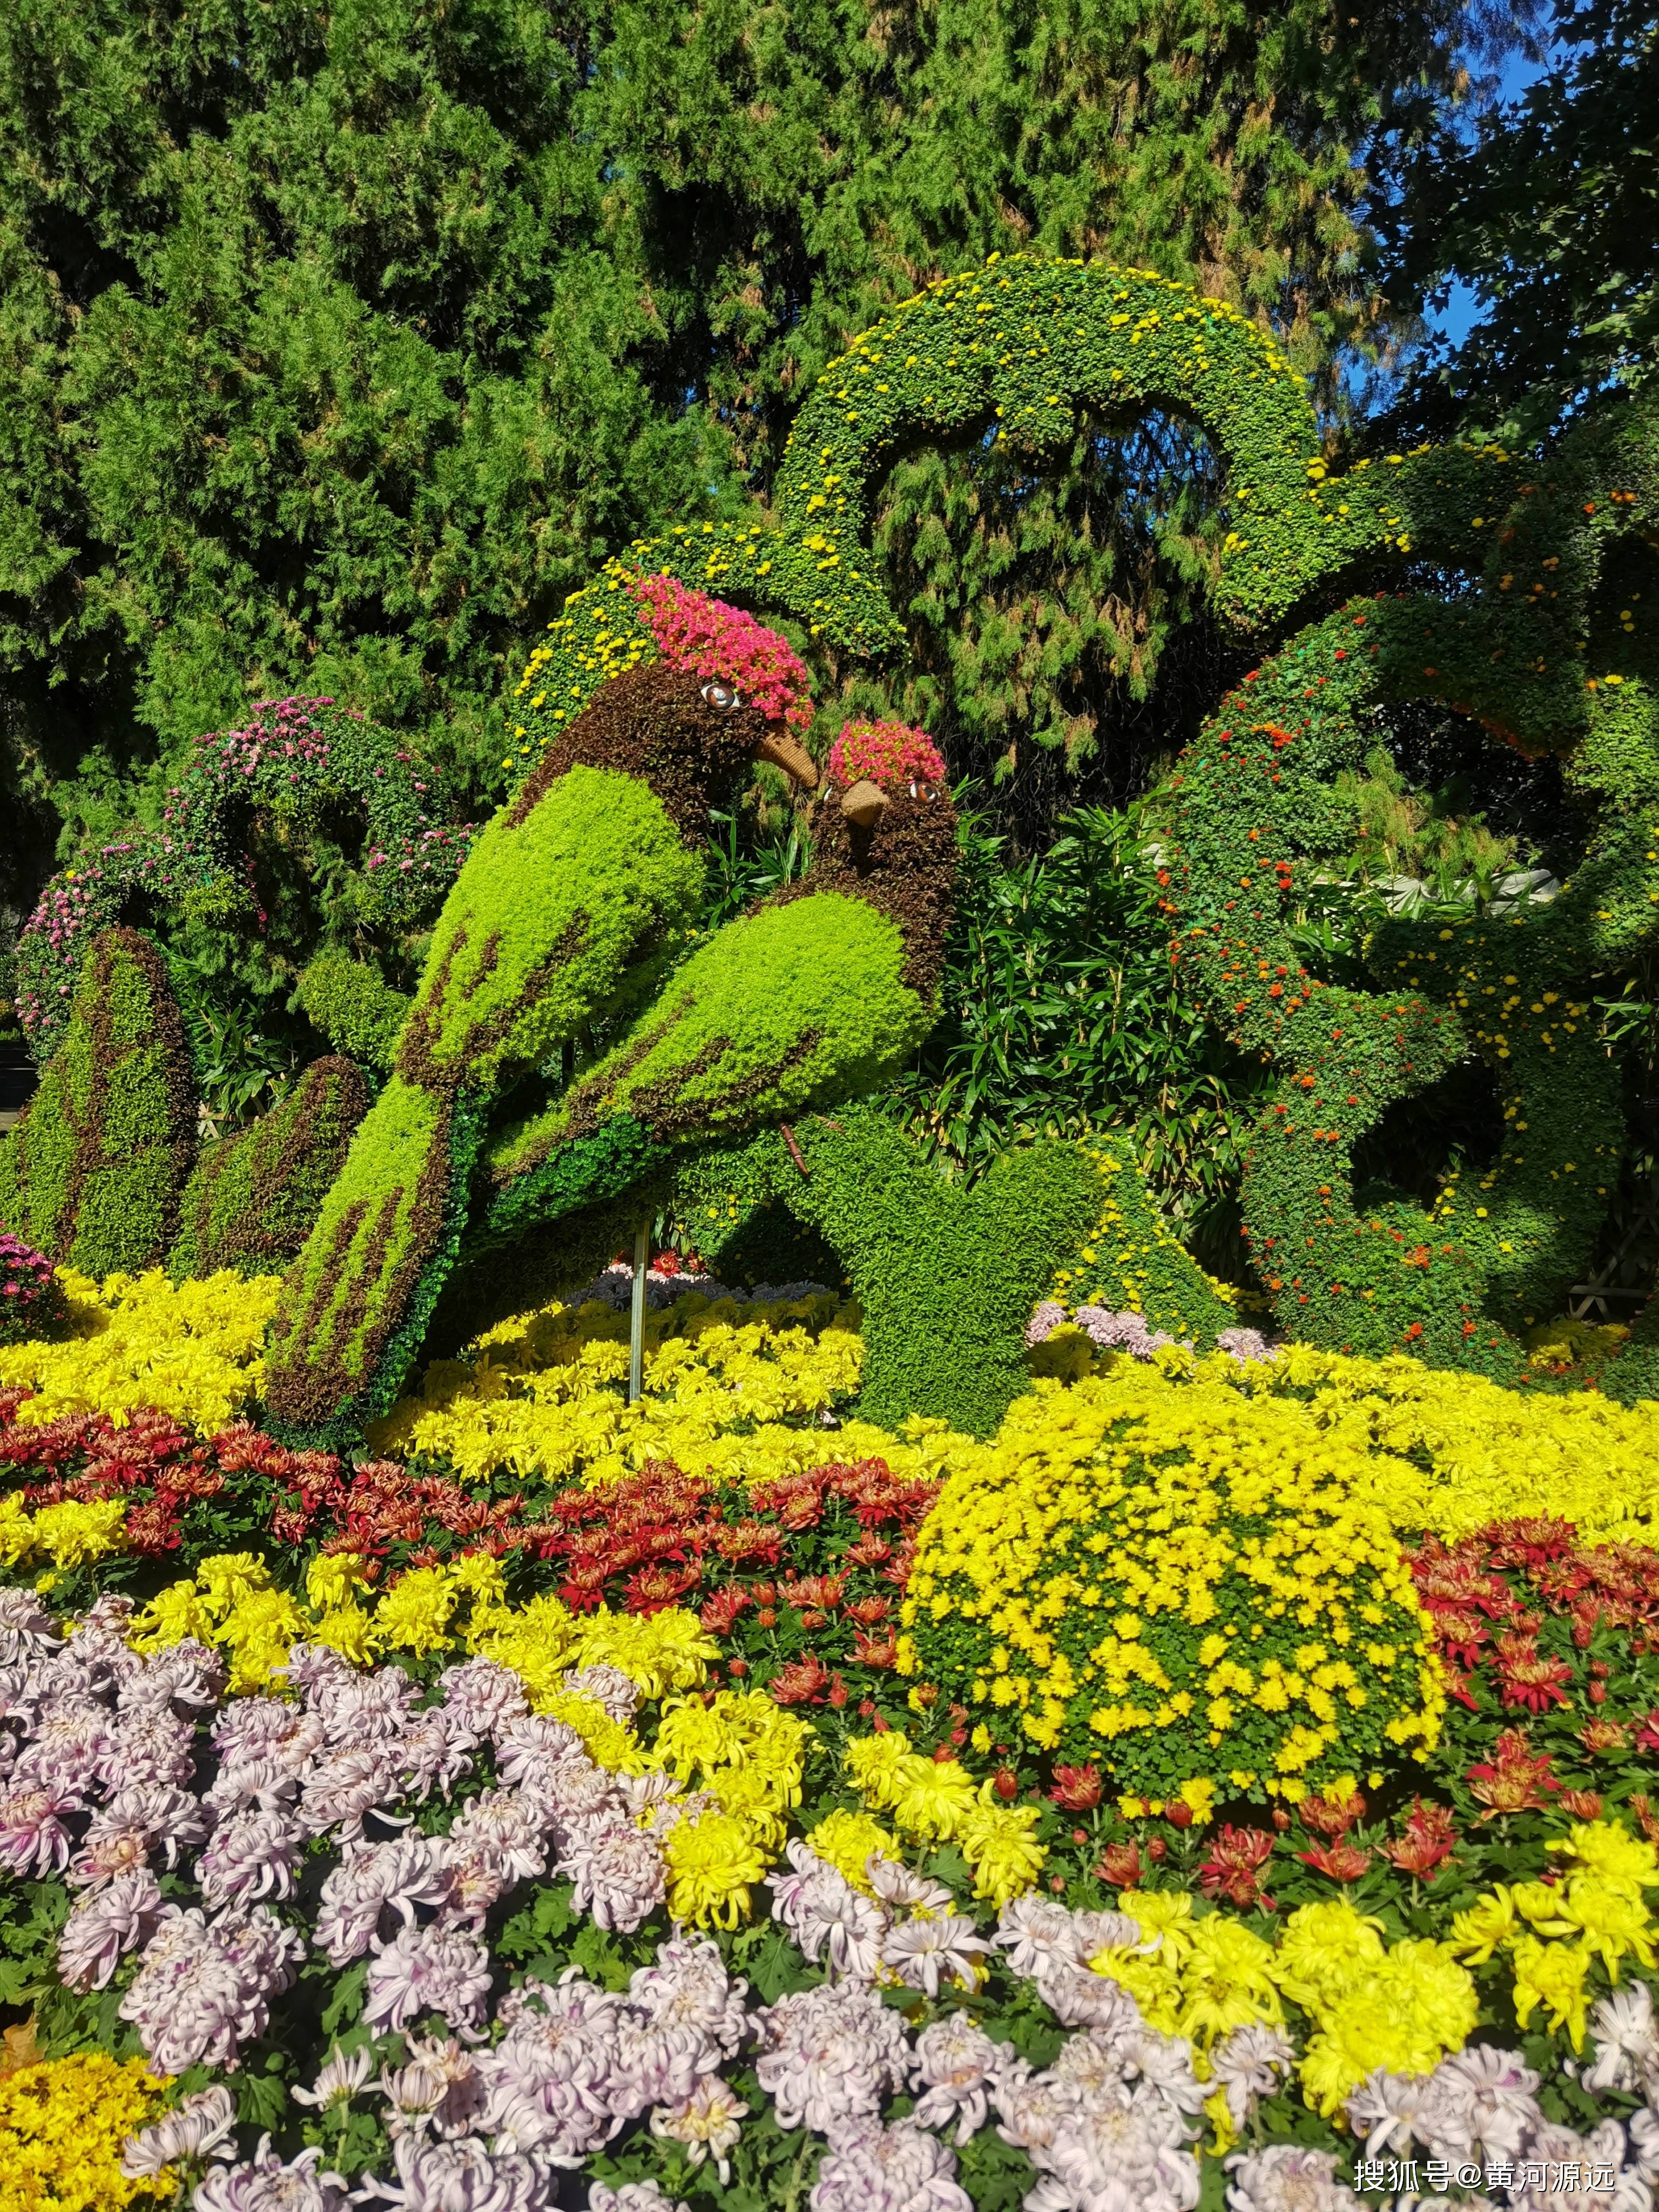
x=1461, y=309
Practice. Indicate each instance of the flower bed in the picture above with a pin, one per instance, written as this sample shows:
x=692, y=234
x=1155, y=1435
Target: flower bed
x=572, y=1798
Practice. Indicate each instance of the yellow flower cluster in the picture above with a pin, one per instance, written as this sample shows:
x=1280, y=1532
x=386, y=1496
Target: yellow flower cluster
x=195, y=1350
x=1453, y=1452
x=1186, y=1583
x=1203, y=1974
x=1553, y=1933
x=62, y=2125
x=749, y=1755
x=232, y=1601
x=937, y=1801
x=732, y=1392
x=68, y=1534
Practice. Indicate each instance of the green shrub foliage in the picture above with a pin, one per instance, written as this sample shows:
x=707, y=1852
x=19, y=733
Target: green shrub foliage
x=253, y=1196
x=353, y=1007
x=946, y=1275
x=92, y=1174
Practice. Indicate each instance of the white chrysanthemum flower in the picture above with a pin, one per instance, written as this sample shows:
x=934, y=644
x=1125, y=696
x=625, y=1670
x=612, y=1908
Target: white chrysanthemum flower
x=707, y=2122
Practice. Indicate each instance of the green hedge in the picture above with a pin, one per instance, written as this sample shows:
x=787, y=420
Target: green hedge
x=947, y=1274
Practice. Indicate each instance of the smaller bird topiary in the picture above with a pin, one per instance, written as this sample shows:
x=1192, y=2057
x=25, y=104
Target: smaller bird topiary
x=1185, y=1588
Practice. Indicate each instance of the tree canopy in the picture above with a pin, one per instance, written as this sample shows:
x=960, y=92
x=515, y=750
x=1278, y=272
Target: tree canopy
x=337, y=344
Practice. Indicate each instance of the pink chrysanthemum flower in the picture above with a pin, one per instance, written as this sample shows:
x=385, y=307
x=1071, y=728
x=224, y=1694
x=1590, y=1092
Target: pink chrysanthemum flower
x=430, y=1970
x=106, y=1925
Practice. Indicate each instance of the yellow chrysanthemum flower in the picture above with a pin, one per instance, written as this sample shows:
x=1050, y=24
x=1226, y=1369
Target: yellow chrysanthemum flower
x=712, y=1864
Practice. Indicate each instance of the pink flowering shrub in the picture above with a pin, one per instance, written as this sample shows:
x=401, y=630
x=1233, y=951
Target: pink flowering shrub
x=887, y=753
x=705, y=637
x=31, y=1303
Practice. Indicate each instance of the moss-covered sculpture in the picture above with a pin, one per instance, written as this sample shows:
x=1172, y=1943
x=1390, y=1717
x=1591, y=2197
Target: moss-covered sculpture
x=573, y=901
x=820, y=992
x=947, y=1275
x=354, y=1007
x=1021, y=345
x=92, y=1174
x=1249, y=809
x=253, y=1196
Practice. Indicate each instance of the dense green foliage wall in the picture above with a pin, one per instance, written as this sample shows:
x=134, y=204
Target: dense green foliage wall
x=335, y=345
x=93, y=1173
x=1551, y=214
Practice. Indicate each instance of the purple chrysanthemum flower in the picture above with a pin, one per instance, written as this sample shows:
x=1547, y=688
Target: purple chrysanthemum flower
x=32, y=1837
x=376, y=1880
x=432, y=1753
x=827, y=1917
x=505, y=1826
x=265, y=2183
x=465, y=2177
x=203, y=1989
x=438, y=1970
x=69, y=1749
x=156, y=1749
x=342, y=1787
x=1286, y=2178
x=253, y=1854
x=830, y=2055
x=554, y=2083
x=440, y=2089
x=481, y=1696
x=619, y=1875
x=27, y=1631
x=956, y=2065
x=104, y=1925
x=871, y=2168
x=199, y=2129
x=135, y=1823
x=617, y=1693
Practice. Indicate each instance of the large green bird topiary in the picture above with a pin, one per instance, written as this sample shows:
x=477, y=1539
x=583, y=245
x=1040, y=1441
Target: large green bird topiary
x=572, y=899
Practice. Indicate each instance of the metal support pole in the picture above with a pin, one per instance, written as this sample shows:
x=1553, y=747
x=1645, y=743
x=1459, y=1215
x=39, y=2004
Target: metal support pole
x=636, y=1323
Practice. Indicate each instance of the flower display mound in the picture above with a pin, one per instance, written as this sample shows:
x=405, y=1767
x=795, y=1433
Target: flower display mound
x=1206, y=1600
x=531, y=1821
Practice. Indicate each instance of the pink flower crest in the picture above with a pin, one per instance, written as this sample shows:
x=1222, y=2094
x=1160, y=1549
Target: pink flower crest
x=705, y=637
x=886, y=753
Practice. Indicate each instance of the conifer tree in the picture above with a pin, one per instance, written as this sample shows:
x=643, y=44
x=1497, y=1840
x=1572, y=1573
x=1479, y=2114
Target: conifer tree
x=337, y=344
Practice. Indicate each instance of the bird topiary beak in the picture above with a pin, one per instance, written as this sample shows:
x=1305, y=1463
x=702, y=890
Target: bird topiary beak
x=790, y=755
x=863, y=804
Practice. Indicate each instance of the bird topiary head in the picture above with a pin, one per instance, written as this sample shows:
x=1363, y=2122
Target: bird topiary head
x=870, y=762
x=682, y=691
x=887, y=834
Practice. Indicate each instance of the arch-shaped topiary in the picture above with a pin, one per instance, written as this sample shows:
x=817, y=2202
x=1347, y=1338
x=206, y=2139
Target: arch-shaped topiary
x=294, y=759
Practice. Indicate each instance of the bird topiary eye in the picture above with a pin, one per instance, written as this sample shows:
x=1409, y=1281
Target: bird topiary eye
x=720, y=695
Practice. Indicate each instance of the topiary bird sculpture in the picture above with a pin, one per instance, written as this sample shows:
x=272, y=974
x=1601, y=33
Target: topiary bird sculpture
x=821, y=991
x=569, y=902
